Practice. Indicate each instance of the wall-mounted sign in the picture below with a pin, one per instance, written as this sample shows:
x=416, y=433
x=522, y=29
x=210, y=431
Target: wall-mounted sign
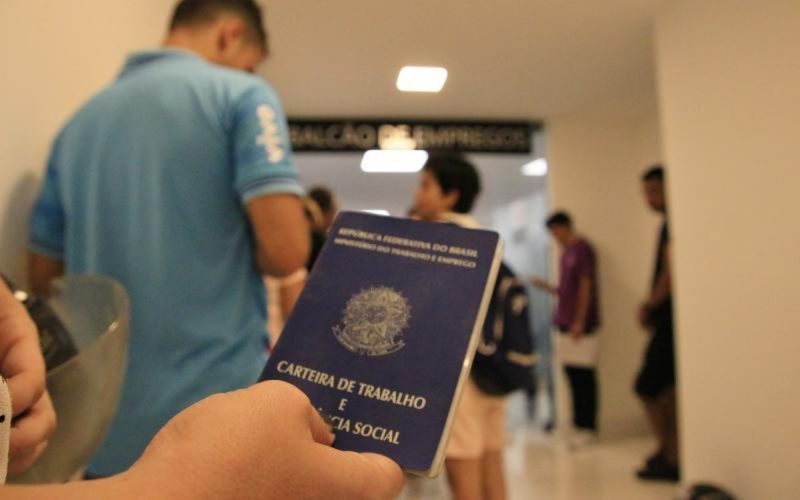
x=363, y=135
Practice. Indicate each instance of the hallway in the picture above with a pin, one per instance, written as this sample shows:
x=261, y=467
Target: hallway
x=539, y=467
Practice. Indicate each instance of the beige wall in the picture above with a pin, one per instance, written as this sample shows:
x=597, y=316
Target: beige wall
x=730, y=91
x=596, y=160
x=55, y=54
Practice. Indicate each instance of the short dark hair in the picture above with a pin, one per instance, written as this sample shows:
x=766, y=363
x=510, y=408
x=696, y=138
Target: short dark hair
x=654, y=173
x=560, y=218
x=191, y=12
x=454, y=173
x=323, y=196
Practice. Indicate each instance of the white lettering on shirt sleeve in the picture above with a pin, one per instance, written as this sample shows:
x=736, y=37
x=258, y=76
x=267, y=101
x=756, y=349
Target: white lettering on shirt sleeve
x=270, y=137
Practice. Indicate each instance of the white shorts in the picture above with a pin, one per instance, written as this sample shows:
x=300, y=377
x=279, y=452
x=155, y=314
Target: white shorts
x=479, y=425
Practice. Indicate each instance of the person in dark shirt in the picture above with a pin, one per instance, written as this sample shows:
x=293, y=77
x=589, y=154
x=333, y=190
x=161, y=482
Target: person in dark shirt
x=577, y=319
x=655, y=384
x=325, y=208
x=327, y=203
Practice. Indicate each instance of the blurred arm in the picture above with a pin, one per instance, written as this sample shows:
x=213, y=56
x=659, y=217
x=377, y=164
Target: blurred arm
x=281, y=232
x=290, y=289
x=663, y=286
x=584, y=299
x=542, y=284
x=41, y=271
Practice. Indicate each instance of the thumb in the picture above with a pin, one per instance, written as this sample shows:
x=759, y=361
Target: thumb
x=321, y=432
x=359, y=476
x=389, y=471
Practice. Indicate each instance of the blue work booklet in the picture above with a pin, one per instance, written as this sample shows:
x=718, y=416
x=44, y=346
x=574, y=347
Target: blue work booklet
x=383, y=335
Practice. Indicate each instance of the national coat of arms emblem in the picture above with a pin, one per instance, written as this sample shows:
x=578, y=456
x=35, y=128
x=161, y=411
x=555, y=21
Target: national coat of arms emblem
x=373, y=322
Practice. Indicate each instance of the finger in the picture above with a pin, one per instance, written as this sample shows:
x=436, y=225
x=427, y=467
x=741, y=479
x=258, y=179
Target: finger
x=21, y=463
x=357, y=476
x=299, y=409
x=25, y=388
x=320, y=430
x=33, y=429
x=391, y=473
x=21, y=361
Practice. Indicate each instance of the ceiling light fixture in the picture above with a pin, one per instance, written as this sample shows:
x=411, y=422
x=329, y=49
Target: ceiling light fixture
x=393, y=160
x=421, y=79
x=536, y=168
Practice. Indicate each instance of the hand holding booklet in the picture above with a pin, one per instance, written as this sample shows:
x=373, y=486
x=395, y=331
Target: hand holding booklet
x=383, y=335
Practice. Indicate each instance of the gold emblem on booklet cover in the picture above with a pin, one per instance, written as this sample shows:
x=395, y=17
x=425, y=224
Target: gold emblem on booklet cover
x=374, y=321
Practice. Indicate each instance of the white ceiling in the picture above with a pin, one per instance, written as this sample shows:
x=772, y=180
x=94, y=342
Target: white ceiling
x=526, y=59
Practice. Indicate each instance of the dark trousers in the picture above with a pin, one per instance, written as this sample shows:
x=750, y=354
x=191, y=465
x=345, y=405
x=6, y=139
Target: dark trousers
x=583, y=386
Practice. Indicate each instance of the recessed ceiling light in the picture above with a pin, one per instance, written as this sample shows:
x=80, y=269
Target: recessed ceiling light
x=536, y=168
x=421, y=79
x=377, y=212
x=393, y=160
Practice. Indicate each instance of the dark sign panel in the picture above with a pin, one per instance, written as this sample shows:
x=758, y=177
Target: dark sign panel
x=363, y=135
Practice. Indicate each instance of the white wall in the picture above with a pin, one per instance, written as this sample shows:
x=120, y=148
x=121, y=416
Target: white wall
x=596, y=159
x=520, y=223
x=55, y=54
x=730, y=91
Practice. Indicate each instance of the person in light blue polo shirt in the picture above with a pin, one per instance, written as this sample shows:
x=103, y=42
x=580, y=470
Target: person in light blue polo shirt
x=177, y=180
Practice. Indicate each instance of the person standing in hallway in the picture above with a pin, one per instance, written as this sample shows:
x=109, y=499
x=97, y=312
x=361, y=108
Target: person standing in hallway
x=448, y=188
x=577, y=319
x=327, y=203
x=655, y=384
x=178, y=181
x=325, y=207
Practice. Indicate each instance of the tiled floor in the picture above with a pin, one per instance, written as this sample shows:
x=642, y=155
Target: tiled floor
x=539, y=467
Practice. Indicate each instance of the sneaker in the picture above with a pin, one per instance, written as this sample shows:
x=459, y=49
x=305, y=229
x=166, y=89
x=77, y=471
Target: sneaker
x=660, y=470
x=581, y=438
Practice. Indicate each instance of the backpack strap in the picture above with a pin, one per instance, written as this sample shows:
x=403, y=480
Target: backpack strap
x=521, y=359
x=518, y=304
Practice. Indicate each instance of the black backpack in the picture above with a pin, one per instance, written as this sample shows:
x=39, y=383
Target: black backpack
x=506, y=353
